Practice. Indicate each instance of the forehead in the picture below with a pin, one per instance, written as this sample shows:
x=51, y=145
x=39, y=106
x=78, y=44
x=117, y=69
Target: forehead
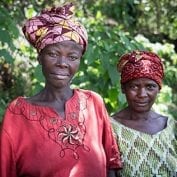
x=68, y=45
x=142, y=81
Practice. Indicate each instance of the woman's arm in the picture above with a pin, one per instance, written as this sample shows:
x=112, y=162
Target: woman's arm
x=112, y=173
x=7, y=162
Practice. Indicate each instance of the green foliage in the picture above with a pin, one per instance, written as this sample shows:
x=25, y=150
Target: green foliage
x=114, y=27
x=98, y=68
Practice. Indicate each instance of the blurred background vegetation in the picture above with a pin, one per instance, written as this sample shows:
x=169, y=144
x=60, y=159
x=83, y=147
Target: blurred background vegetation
x=114, y=27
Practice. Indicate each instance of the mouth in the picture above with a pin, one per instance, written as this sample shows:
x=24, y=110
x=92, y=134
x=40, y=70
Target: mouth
x=60, y=76
x=141, y=104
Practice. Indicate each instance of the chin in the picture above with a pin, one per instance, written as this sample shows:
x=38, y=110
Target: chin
x=61, y=86
x=59, y=83
x=141, y=110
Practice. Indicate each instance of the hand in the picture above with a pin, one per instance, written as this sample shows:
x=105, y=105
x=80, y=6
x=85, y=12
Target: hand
x=112, y=173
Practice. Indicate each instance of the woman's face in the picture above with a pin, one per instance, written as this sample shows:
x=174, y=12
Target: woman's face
x=140, y=94
x=60, y=62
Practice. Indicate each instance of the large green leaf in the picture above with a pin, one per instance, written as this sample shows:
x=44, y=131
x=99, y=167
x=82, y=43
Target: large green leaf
x=6, y=55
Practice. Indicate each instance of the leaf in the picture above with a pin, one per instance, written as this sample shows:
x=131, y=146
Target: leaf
x=6, y=55
x=5, y=36
x=90, y=54
x=38, y=73
x=113, y=74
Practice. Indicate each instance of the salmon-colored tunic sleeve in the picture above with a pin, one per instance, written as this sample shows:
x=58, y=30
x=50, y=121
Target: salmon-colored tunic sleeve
x=34, y=140
x=111, y=147
x=113, y=158
x=7, y=156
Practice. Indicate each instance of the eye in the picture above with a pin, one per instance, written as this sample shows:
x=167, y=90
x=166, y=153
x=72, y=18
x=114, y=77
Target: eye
x=151, y=86
x=73, y=58
x=52, y=54
x=133, y=87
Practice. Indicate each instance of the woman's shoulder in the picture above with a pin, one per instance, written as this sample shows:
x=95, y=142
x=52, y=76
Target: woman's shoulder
x=91, y=93
x=16, y=101
x=120, y=115
x=172, y=121
x=16, y=105
x=14, y=108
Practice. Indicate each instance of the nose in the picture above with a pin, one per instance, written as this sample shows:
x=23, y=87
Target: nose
x=62, y=61
x=142, y=92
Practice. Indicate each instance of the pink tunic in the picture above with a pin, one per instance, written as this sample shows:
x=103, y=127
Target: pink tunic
x=36, y=142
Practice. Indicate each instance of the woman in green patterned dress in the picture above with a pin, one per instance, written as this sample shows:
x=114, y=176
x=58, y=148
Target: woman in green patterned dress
x=146, y=138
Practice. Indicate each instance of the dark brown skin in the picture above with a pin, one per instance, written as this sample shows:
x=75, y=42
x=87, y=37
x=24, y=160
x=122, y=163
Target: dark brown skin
x=59, y=63
x=141, y=94
x=112, y=173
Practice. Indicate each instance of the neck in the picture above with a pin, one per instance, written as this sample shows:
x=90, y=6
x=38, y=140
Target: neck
x=133, y=115
x=52, y=94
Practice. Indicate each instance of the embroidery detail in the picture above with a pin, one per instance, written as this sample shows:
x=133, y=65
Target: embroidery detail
x=68, y=134
x=53, y=120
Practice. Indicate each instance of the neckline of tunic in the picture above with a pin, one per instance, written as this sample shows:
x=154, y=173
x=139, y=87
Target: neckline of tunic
x=70, y=104
x=166, y=129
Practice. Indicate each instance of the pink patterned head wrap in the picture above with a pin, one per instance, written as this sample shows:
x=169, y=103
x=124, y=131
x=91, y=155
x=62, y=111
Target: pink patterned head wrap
x=54, y=25
x=138, y=64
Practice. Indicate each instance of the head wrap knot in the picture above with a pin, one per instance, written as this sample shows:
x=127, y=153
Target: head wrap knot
x=54, y=25
x=139, y=64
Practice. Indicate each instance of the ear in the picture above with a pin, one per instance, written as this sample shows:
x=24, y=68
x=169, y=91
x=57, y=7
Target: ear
x=123, y=88
x=39, y=59
x=159, y=90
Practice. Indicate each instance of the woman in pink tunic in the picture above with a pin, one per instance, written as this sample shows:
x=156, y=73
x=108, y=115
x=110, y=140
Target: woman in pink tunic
x=59, y=132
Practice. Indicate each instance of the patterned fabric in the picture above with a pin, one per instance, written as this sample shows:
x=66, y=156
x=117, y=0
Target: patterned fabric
x=37, y=141
x=138, y=64
x=54, y=25
x=147, y=155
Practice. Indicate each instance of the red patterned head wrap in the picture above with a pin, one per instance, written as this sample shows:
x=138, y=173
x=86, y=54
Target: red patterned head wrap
x=138, y=64
x=54, y=25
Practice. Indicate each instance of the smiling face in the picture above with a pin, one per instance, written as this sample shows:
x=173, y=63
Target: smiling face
x=60, y=62
x=140, y=94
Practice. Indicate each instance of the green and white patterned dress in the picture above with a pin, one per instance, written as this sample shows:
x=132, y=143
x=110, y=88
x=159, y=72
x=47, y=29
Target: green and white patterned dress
x=147, y=155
